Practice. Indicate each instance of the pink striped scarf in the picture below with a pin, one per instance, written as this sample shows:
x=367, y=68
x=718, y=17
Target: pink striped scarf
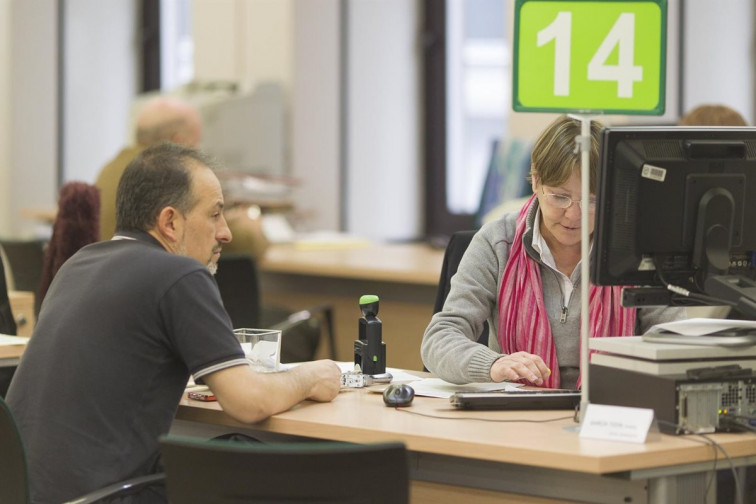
x=523, y=321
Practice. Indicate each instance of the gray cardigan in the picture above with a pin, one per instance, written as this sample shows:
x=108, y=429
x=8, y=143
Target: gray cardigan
x=449, y=348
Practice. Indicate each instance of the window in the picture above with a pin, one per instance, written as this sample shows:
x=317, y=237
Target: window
x=167, y=44
x=467, y=102
x=176, y=43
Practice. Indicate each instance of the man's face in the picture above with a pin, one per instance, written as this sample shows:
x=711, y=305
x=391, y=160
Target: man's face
x=205, y=228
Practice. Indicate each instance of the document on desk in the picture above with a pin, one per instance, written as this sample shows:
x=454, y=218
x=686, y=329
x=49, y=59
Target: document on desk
x=9, y=340
x=704, y=331
x=436, y=387
x=397, y=375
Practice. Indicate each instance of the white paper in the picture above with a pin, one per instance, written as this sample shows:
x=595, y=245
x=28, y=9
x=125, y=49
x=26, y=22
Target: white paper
x=8, y=340
x=397, y=375
x=263, y=355
x=701, y=326
x=616, y=423
x=436, y=387
x=704, y=331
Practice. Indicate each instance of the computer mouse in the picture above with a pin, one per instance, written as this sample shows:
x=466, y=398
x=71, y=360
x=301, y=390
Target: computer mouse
x=398, y=395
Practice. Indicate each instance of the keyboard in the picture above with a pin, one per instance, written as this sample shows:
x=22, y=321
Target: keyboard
x=550, y=399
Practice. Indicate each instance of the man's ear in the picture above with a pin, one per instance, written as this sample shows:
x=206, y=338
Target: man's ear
x=170, y=224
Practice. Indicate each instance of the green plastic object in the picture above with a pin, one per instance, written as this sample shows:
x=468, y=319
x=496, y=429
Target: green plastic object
x=368, y=298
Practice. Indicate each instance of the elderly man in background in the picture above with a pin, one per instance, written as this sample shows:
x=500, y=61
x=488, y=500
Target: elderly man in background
x=170, y=119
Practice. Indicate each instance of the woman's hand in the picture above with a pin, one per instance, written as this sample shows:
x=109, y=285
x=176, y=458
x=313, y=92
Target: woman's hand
x=520, y=365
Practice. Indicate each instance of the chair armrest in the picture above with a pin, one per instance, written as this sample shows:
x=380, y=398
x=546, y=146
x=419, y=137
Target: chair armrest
x=323, y=312
x=117, y=488
x=296, y=318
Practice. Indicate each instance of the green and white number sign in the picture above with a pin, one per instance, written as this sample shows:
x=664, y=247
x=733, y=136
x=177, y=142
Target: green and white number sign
x=601, y=56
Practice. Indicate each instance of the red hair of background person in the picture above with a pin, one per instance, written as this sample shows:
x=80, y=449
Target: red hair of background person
x=77, y=224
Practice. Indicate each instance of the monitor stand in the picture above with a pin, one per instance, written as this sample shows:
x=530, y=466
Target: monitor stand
x=736, y=289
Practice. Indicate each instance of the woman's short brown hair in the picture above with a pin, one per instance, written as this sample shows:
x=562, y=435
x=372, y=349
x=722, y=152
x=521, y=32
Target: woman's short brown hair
x=555, y=157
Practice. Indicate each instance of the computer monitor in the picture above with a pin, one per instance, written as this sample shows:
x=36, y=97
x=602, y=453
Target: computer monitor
x=677, y=206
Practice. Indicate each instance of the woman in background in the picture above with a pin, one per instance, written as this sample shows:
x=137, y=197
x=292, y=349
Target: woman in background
x=77, y=224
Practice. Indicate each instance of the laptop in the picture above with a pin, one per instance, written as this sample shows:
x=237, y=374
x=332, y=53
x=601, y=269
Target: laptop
x=517, y=400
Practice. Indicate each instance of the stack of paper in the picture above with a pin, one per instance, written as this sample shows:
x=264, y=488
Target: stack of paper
x=704, y=331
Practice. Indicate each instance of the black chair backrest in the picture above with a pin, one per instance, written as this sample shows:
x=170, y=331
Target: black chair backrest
x=7, y=326
x=237, y=278
x=14, y=474
x=237, y=281
x=14, y=483
x=225, y=472
x=455, y=249
x=7, y=322
x=25, y=260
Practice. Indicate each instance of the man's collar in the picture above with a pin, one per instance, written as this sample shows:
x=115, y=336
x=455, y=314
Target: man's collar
x=137, y=235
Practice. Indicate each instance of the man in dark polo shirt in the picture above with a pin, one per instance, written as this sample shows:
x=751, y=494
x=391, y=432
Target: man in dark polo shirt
x=124, y=324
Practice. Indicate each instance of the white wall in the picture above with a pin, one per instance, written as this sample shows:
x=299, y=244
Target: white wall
x=217, y=25
x=355, y=124
x=33, y=129
x=384, y=142
x=316, y=111
x=268, y=49
x=244, y=41
x=96, y=110
x=719, y=55
x=5, y=119
x=99, y=83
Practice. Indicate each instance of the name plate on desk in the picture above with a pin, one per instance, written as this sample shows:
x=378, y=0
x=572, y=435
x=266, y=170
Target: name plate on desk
x=616, y=423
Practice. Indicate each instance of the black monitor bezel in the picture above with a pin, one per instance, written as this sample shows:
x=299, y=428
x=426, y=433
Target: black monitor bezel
x=607, y=231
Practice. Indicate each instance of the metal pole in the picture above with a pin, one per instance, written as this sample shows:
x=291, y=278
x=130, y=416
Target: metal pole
x=584, y=144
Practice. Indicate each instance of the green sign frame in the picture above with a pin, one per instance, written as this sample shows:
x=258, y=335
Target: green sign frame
x=590, y=56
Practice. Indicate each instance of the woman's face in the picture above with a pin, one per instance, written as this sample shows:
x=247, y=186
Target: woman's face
x=560, y=227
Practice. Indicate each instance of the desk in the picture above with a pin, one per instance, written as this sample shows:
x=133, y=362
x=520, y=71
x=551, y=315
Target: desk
x=454, y=460
x=403, y=276
x=10, y=355
x=22, y=306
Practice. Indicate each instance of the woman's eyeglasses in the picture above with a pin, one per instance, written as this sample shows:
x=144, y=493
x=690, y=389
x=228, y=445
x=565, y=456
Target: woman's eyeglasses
x=565, y=202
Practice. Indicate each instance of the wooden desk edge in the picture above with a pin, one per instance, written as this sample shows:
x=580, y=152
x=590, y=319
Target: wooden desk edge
x=599, y=457
x=405, y=277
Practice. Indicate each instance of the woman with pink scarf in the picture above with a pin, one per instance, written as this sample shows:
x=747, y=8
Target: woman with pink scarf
x=521, y=274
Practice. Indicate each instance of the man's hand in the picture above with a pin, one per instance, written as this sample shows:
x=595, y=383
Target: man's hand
x=520, y=365
x=324, y=377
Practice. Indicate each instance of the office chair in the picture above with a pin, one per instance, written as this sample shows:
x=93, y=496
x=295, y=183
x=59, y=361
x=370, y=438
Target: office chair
x=7, y=322
x=7, y=326
x=238, y=283
x=223, y=472
x=455, y=249
x=25, y=259
x=239, y=288
x=14, y=476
